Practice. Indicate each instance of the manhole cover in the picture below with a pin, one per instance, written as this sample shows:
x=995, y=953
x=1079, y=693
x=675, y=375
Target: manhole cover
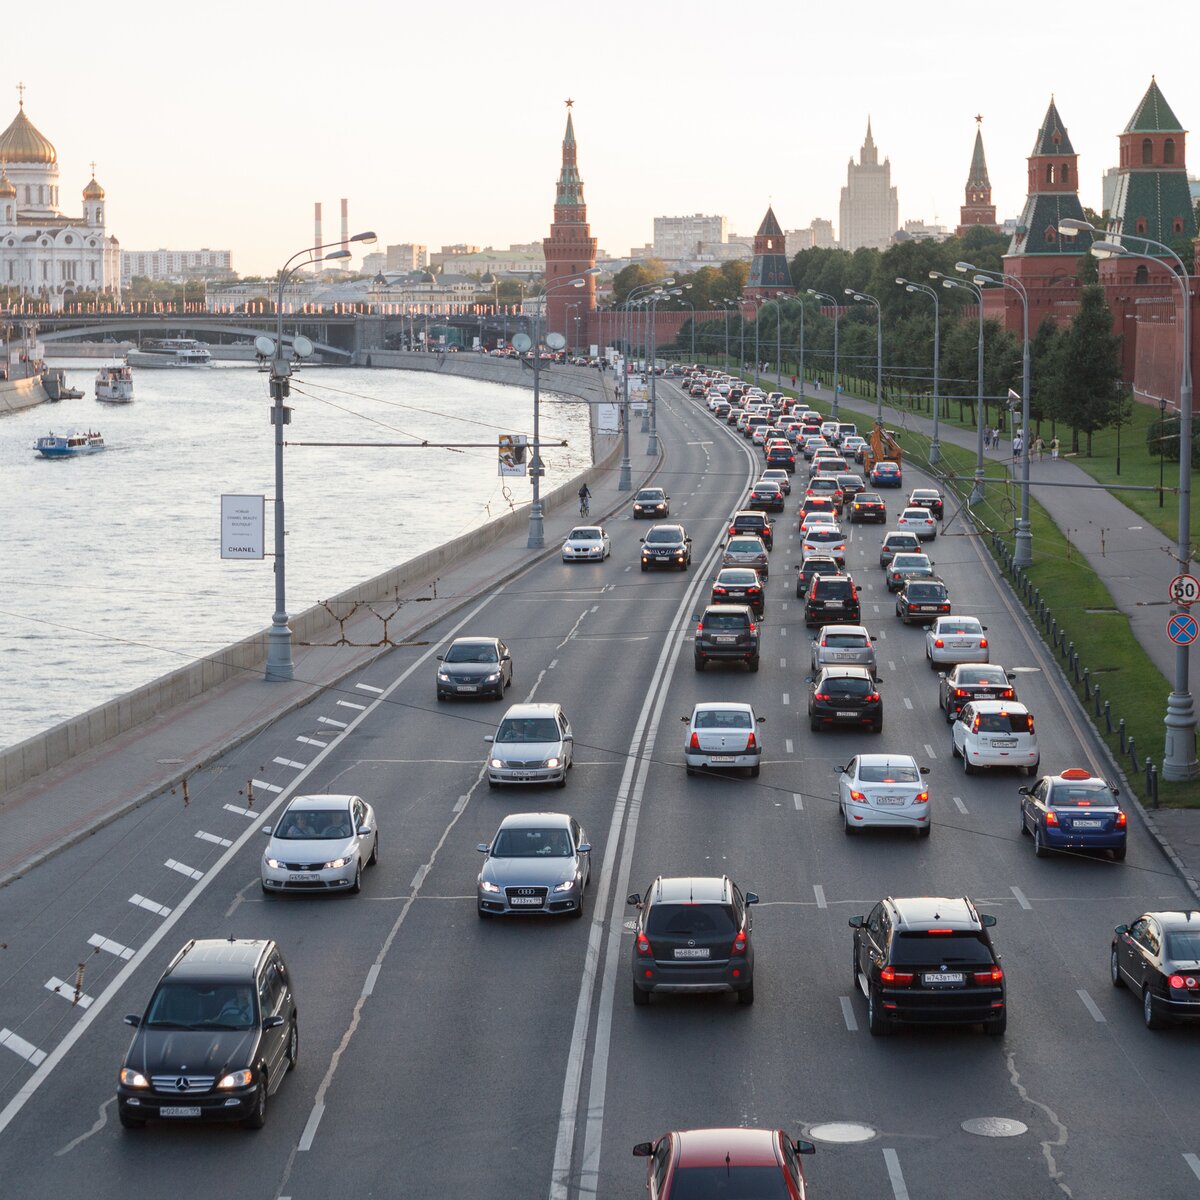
x=995, y=1127
x=841, y=1131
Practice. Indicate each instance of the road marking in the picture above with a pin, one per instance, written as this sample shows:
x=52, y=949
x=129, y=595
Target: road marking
x=1020, y=895
x=312, y=742
x=241, y=812
x=899, y=1187
x=67, y=992
x=875, y=607
x=783, y=631
x=908, y=703
x=798, y=801
x=787, y=699
x=331, y=721
x=419, y=877
x=784, y=606
x=962, y=808
x=150, y=906
x=310, y=1127
x=596, y=607
x=891, y=665
x=571, y=634
x=819, y=893
x=183, y=869
x=930, y=750
x=553, y=664
x=460, y=803
x=372, y=976
x=882, y=632
x=266, y=787
x=103, y=943
x=783, y=662
x=536, y=684
x=351, y=704
x=787, y=745
x=629, y=568
x=848, y=1014
x=212, y=837
x=1090, y=1005
x=18, y=1045
x=291, y=762
x=1193, y=1161
x=366, y=687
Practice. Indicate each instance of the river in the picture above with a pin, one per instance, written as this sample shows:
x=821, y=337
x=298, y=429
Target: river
x=110, y=568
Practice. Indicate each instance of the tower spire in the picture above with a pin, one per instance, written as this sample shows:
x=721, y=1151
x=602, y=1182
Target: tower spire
x=978, y=208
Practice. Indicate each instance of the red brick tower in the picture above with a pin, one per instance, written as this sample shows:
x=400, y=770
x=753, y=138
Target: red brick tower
x=978, y=209
x=769, y=273
x=570, y=249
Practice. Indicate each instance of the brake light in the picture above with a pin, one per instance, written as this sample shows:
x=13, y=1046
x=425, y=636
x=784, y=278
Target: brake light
x=694, y=743
x=700, y=627
x=938, y=643
x=983, y=643
x=1007, y=694
x=733, y=529
x=960, y=691
x=822, y=696
x=897, y=978
x=858, y=797
x=872, y=697
x=1051, y=817
x=993, y=976
x=643, y=944
x=739, y=943
x=921, y=798
x=1184, y=981
x=939, y=932
x=718, y=590
x=752, y=741
x=753, y=627
x=1121, y=820
x=975, y=725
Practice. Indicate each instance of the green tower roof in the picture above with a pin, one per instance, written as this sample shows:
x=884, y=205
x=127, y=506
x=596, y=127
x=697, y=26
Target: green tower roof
x=1154, y=114
x=1052, y=136
x=979, y=176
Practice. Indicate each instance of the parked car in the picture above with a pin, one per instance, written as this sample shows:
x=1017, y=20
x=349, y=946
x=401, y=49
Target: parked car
x=1074, y=810
x=722, y=734
x=883, y=789
x=843, y=645
x=666, y=546
x=320, y=843
x=995, y=733
x=727, y=633
x=533, y=744
x=922, y=600
x=973, y=681
x=474, y=666
x=844, y=696
x=1156, y=957
x=831, y=598
x=736, y=1162
x=538, y=864
x=739, y=585
x=956, y=640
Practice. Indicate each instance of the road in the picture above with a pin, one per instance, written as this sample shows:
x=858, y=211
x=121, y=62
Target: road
x=442, y=1055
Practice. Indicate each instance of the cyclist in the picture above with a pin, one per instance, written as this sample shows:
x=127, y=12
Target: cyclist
x=585, y=496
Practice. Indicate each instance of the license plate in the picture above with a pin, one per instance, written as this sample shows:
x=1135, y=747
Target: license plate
x=843, y=657
x=833, y=604
x=733, y=758
x=177, y=1111
x=962, y=645
x=523, y=775
x=1004, y=743
x=942, y=978
x=847, y=714
x=890, y=800
x=692, y=952
x=1088, y=824
x=926, y=608
x=468, y=687
x=304, y=876
x=532, y=901
x=725, y=638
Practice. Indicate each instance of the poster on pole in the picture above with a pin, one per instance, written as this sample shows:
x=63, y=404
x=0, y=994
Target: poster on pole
x=608, y=416
x=512, y=454
x=243, y=527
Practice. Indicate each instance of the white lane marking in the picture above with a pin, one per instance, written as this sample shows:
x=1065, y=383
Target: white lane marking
x=783, y=662
x=783, y=631
x=962, y=808
x=310, y=1127
x=787, y=745
x=67, y=992
x=1021, y=900
x=331, y=721
x=150, y=906
x=875, y=607
x=1193, y=1161
x=930, y=750
x=111, y=947
x=819, y=893
x=882, y=632
x=1090, y=1005
x=536, y=684
x=553, y=664
x=372, y=976
x=97, y=1125
x=787, y=699
x=798, y=801
x=571, y=634
x=241, y=812
x=366, y=687
x=595, y=608
x=848, y=1014
x=891, y=665
x=290, y=762
x=908, y=703
x=267, y=787
x=419, y=877
x=312, y=742
x=212, y=837
x=460, y=803
x=629, y=568
x=351, y=704
x=784, y=606
x=899, y=1187
x=183, y=869
x=18, y=1045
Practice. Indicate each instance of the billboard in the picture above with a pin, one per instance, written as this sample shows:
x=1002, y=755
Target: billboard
x=243, y=527
x=511, y=452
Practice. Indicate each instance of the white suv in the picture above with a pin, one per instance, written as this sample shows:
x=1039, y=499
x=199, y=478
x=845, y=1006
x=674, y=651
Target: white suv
x=995, y=733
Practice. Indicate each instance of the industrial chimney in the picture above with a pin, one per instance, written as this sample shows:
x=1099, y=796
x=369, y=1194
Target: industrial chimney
x=317, y=233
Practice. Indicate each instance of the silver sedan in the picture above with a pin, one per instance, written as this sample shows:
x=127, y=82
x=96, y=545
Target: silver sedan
x=722, y=734
x=883, y=789
x=842, y=645
x=951, y=640
x=537, y=863
x=320, y=844
x=746, y=551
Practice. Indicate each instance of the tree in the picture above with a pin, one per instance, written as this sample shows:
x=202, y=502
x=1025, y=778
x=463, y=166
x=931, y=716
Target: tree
x=638, y=274
x=1091, y=367
x=1046, y=352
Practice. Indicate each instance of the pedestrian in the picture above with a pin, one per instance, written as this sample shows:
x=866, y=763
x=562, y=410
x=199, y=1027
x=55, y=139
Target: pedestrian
x=1039, y=447
x=1018, y=444
x=1054, y=449
x=793, y=383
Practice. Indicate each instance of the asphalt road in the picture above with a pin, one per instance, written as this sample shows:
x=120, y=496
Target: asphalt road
x=442, y=1055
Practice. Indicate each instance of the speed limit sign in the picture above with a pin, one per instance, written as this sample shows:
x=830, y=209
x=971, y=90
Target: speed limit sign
x=1184, y=589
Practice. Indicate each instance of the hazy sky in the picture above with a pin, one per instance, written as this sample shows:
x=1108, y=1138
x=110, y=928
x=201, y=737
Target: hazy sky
x=220, y=125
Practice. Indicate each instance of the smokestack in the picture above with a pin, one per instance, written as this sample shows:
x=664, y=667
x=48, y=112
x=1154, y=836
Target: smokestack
x=345, y=225
x=316, y=231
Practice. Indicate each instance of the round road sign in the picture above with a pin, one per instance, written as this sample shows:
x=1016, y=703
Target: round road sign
x=1184, y=589
x=1182, y=629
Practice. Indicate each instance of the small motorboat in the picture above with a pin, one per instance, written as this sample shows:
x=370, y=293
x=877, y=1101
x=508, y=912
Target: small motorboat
x=114, y=384
x=70, y=446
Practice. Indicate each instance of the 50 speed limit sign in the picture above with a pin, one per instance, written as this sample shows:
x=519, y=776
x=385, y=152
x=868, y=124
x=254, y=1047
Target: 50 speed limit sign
x=1185, y=589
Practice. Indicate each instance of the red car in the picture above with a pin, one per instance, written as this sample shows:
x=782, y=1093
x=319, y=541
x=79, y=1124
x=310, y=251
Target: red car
x=725, y=1162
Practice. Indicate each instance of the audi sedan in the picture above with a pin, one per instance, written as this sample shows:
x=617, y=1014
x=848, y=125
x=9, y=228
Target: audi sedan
x=1073, y=811
x=1157, y=957
x=533, y=744
x=538, y=863
x=883, y=789
x=972, y=681
x=755, y=1164
x=868, y=506
x=747, y=552
x=739, y=585
x=919, y=521
x=929, y=498
x=956, y=640
x=666, y=546
x=586, y=543
x=722, y=734
x=320, y=844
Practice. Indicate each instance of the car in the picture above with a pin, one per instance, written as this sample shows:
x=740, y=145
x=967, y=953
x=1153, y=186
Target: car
x=922, y=600
x=995, y=733
x=759, y=433
x=747, y=551
x=727, y=633
x=1156, y=956
x=929, y=498
x=827, y=462
x=538, y=863
x=844, y=696
x=666, y=546
x=854, y=446
x=827, y=486
x=923, y=960
x=586, y=543
x=813, y=565
x=692, y=934
x=722, y=734
x=973, y=681
x=905, y=566
x=1074, y=810
x=747, y=522
x=734, y=1162
x=951, y=640
x=782, y=456
x=919, y=521
x=812, y=444
x=721, y=409
x=651, y=502
x=739, y=585
x=851, y=486
x=825, y=539
x=320, y=843
x=887, y=474
x=822, y=516
x=831, y=598
x=218, y=1037
x=844, y=430
x=816, y=504
x=829, y=429
x=474, y=666
x=532, y=744
x=767, y=496
x=780, y=476
x=896, y=542
x=843, y=645
x=883, y=789
x=868, y=506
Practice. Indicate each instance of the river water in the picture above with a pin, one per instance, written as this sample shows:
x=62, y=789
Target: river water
x=110, y=568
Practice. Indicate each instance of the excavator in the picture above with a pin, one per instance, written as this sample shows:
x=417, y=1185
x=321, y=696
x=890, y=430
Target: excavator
x=883, y=447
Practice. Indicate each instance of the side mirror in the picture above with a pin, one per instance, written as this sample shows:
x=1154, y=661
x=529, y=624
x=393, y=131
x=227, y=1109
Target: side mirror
x=491, y=737
x=585, y=847
x=751, y=897
x=441, y=658
x=803, y=1147
x=1116, y=929
x=364, y=831
x=135, y=1021
x=267, y=830
x=643, y=1150
x=838, y=770
x=272, y=1022
x=941, y=674
x=1023, y=790
x=1010, y=675
x=987, y=920
x=924, y=770
x=483, y=847
x=808, y=679
x=641, y=539
x=635, y=899
x=984, y=628
x=685, y=720
x=761, y=720
x=857, y=922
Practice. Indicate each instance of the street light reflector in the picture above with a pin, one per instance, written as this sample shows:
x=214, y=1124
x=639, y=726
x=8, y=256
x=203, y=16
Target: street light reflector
x=667, y=282
x=367, y=238
x=935, y=275
x=982, y=279
x=555, y=341
x=265, y=346
x=964, y=267
x=900, y=281
x=301, y=345
x=948, y=283
x=1107, y=249
x=337, y=254
x=849, y=291
x=521, y=342
x=1070, y=226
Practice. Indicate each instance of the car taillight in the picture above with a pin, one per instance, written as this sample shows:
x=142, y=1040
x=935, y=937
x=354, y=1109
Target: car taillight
x=992, y=976
x=898, y=978
x=921, y=798
x=751, y=741
x=733, y=529
x=1191, y=982
x=700, y=627
x=822, y=696
x=694, y=743
x=739, y=943
x=1051, y=817
x=938, y=643
x=858, y=797
x=872, y=697
x=1007, y=694
x=753, y=627
x=983, y=643
x=975, y=725
x=718, y=590
x=643, y=944
x=1120, y=821
x=960, y=691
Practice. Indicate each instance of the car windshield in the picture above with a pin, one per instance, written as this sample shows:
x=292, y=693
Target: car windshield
x=664, y=536
x=912, y=949
x=1079, y=795
x=683, y=920
x=903, y=541
x=1184, y=946
x=982, y=675
x=723, y=718
x=588, y=533
x=528, y=729
x=738, y=578
x=847, y=686
x=835, y=588
x=532, y=843
x=467, y=652
x=868, y=498
x=1006, y=723
x=650, y=494
x=725, y=620
x=915, y=514
x=845, y=641
x=184, y=1004
x=314, y=823
x=912, y=561
x=972, y=627
x=889, y=773
x=729, y=1183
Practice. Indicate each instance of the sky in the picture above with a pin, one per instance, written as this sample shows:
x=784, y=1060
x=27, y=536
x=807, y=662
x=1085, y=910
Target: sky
x=443, y=123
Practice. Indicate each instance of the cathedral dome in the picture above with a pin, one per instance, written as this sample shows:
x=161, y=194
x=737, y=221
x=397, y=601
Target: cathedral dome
x=22, y=143
x=93, y=191
x=8, y=190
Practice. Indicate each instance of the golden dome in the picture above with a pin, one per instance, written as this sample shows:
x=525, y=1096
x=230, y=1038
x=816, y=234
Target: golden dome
x=93, y=191
x=21, y=142
x=7, y=189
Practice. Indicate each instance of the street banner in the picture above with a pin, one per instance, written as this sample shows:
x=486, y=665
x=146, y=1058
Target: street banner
x=243, y=527
x=512, y=454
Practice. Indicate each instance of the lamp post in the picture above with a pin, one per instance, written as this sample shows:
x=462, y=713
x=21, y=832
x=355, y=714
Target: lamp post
x=726, y=304
x=860, y=297
x=1162, y=420
x=658, y=295
x=779, y=341
x=693, y=308
x=625, y=479
x=1179, y=751
x=935, y=445
x=757, y=352
x=280, y=668
x=977, y=492
x=836, y=314
x=801, y=300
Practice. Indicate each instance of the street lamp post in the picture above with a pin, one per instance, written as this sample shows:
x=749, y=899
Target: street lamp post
x=280, y=668
x=658, y=295
x=801, y=300
x=836, y=314
x=977, y=492
x=935, y=445
x=693, y=308
x=860, y=297
x=779, y=340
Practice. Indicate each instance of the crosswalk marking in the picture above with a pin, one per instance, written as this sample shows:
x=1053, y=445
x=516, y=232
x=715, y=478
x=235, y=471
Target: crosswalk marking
x=18, y=1045
x=161, y=909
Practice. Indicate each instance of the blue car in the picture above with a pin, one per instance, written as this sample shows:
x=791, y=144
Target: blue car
x=1073, y=811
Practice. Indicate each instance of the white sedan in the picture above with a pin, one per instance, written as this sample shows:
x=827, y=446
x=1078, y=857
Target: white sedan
x=320, y=844
x=919, y=521
x=883, y=789
x=825, y=539
x=951, y=640
x=722, y=734
x=586, y=543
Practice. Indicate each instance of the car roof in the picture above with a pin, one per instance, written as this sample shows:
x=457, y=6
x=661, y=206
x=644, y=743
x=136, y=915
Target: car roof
x=676, y=528
x=718, y=609
x=586, y=531
x=897, y=533
x=910, y=556
x=722, y=706
x=535, y=820
x=917, y=511
x=1174, y=920
x=917, y=912
x=859, y=629
x=750, y=512
x=219, y=958
x=883, y=760
x=692, y=889
x=521, y=711
x=320, y=801
x=737, y=571
x=846, y=672
x=474, y=641
x=1005, y=706
x=744, y=1147
x=740, y=538
x=956, y=617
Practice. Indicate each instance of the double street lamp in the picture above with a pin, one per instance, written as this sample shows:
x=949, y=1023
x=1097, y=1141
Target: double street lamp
x=836, y=314
x=977, y=492
x=862, y=297
x=655, y=298
x=935, y=445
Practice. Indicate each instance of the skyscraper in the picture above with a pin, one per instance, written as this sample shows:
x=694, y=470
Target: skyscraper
x=870, y=213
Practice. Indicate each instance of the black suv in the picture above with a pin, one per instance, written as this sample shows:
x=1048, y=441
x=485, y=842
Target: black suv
x=928, y=960
x=810, y=568
x=852, y=486
x=844, y=696
x=693, y=935
x=217, y=1038
x=755, y=524
x=666, y=546
x=778, y=456
x=832, y=598
x=727, y=633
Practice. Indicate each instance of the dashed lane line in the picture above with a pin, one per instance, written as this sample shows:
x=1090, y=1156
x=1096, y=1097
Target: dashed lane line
x=930, y=750
x=67, y=992
x=307, y=741
x=266, y=787
x=351, y=704
x=1020, y=897
x=109, y=946
x=962, y=808
x=908, y=703
x=331, y=722
x=819, y=893
x=848, y=1014
x=213, y=838
x=291, y=762
x=1193, y=1161
x=895, y=1175
x=798, y=801
x=1090, y=1005
x=139, y=901
x=18, y=1045
x=367, y=687
x=183, y=869
x=241, y=812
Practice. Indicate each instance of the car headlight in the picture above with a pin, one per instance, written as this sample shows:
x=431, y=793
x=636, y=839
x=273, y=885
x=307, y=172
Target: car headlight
x=333, y=864
x=496, y=762
x=443, y=677
x=236, y=1079
x=565, y=887
x=552, y=762
x=274, y=864
x=487, y=886
x=492, y=677
x=134, y=1079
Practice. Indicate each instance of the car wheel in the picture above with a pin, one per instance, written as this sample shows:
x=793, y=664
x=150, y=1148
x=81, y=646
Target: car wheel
x=643, y=566
x=258, y=1117
x=266, y=891
x=877, y=1023
x=482, y=913
x=1032, y=769
x=967, y=768
x=492, y=784
x=746, y=995
x=690, y=769
x=293, y=1046
x=847, y=825
x=1150, y=1013
x=1114, y=969
x=924, y=830
x=374, y=859
x=755, y=771
x=640, y=998
x=131, y=1122
x=753, y=665
x=1118, y=855
x=562, y=783
x=441, y=696
x=700, y=664
x=996, y=1026
x=814, y=725
x=356, y=886
x=577, y=912
x=932, y=665
x=949, y=715
x=1039, y=847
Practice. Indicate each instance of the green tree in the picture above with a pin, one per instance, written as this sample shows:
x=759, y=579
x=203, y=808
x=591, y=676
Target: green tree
x=1045, y=368
x=649, y=270
x=1091, y=367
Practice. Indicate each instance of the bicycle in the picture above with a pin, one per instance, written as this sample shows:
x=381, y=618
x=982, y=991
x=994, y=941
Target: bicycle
x=584, y=507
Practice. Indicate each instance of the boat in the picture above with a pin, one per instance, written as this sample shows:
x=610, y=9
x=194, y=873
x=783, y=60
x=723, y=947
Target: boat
x=170, y=352
x=71, y=446
x=114, y=384
x=55, y=385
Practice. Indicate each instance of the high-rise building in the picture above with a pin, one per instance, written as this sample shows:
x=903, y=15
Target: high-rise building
x=570, y=249
x=679, y=238
x=769, y=272
x=176, y=266
x=870, y=212
x=407, y=256
x=978, y=208
x=823, y=238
